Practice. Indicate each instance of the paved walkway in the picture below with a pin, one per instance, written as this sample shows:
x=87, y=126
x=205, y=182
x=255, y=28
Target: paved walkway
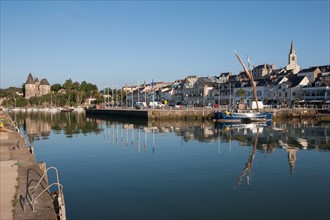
x=7, y=190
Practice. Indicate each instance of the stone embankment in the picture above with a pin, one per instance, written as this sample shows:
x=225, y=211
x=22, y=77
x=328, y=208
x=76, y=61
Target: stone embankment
x=20, y=173
x=199, y=113
x=301, y=113
x=157, y=114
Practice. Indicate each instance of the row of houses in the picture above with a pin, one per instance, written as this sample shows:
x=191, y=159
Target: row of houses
x=286, y=86
x=280, y=87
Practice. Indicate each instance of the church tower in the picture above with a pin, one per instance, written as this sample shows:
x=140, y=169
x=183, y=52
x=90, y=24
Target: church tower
x=292, y=64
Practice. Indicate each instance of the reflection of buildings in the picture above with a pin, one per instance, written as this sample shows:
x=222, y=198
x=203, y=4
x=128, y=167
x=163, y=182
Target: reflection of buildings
x=292, y=157
x=291, y=136
x=304, y=134
x=38, y=125
x=37, y=128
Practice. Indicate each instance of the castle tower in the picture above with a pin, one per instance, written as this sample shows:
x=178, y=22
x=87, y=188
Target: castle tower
x=292, y=64
x=30, y=89
x=36, y=83
x=44, y=87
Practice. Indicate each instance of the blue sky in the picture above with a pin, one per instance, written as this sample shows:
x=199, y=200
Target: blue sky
x=118, y=42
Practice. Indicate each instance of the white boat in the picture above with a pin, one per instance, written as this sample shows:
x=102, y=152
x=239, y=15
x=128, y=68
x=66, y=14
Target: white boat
x=53, y=110
x=78, y=109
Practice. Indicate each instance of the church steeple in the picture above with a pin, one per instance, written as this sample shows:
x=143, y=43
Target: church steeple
x=292, y=64
x=292, y=51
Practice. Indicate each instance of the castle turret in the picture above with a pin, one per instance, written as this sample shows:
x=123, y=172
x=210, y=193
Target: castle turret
x=30, y=88
x=44, y=87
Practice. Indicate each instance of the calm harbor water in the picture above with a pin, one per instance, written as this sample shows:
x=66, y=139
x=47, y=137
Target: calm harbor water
x=114, y=168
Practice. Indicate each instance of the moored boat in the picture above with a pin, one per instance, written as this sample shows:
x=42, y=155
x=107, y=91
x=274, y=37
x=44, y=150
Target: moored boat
x=67, y=110
x=242, y=117
x=247, y=116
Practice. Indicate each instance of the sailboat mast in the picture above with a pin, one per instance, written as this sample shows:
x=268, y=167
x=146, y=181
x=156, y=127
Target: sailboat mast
x=250, y=78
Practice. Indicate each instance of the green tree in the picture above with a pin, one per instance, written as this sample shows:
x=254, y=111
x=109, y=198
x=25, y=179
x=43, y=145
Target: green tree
x=75, y=86
x=241, y=92
x=67, y=84
x=55, y=87
x=21, y=102
x=83, y=86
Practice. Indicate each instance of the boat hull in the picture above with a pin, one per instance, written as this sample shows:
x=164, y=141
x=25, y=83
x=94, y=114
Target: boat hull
x=245, y=117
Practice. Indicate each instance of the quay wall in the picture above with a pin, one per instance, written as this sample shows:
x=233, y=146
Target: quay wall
x=298, y=113
x=119, y=112
x=155, y=114
x=199, y=113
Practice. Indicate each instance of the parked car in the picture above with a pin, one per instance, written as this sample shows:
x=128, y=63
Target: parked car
x=156, y=105
x=140, y=105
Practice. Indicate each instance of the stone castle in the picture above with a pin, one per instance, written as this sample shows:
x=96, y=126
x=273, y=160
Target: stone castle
x=34, y=87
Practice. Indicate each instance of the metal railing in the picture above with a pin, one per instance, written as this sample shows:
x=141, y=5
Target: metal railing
x=60, y=199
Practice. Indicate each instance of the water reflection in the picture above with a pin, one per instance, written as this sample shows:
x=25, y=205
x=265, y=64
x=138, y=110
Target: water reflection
x=38, y=125
x=292, y=136
x=307, y=134
x=185, y=163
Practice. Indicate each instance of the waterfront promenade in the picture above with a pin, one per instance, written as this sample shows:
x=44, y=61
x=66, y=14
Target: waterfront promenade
x=19, y=175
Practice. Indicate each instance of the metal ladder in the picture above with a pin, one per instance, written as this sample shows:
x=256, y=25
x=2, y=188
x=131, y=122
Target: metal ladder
x=60, y=196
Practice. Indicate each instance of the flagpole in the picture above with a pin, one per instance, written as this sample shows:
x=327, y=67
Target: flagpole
x=126, y=106
x=121, y=96
x=153, y=91
x=116, y=96
x=138, y=91
x=145, y=92
x=132, y=93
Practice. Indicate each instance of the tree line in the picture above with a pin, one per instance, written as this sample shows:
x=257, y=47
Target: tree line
x=68, y=94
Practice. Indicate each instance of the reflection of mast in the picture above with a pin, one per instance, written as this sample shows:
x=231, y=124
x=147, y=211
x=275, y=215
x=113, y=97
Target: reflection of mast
x=117, y=133
x=248, y=165
x=139, y=146
x=109, y=133
x=105, y=133
x=219, y=136
x=132, y=136
x=153, y=141
x=113, y=133
x=126, y=136
x=122, y=134
x=145, y=141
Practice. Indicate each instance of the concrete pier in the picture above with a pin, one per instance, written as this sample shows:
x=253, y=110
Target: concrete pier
x=19, y=175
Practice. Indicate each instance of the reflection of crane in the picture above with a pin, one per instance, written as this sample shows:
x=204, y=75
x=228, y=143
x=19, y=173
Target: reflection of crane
x=248, y=165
